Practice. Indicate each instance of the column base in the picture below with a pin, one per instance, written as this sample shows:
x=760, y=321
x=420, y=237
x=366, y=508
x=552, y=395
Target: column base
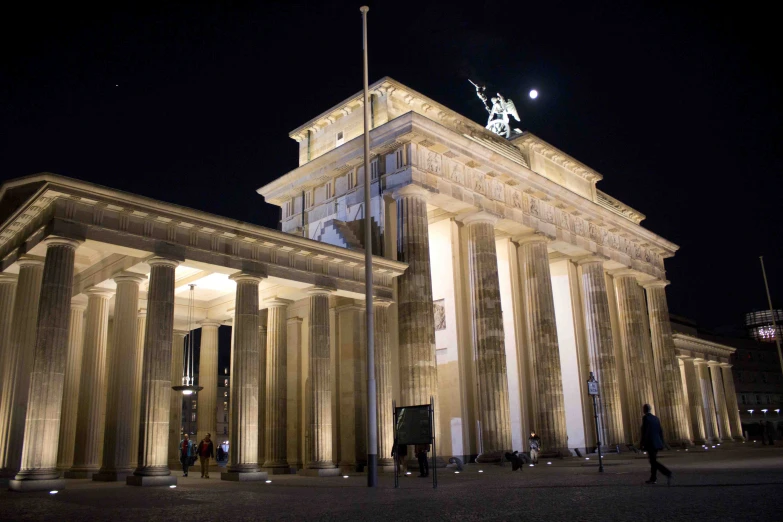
x=151, y=480
x=278, y=470
x=36, y=485
x=111, y=476
x=249, y=476
x=739, y=438
x=319, y=472
x=79, y=473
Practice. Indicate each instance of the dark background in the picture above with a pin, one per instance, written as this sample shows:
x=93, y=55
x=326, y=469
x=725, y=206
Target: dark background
x=191, y=103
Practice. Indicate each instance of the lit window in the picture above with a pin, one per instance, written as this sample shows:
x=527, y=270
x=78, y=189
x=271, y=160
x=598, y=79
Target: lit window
x=225, y=406
x=193, y=417
x=225, y=394
x=194, y=405
x=398, y=156
x=225, y=383
x=340, y=138
x=225, y=371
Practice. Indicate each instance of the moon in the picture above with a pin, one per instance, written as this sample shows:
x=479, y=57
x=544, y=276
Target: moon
x=533, y=94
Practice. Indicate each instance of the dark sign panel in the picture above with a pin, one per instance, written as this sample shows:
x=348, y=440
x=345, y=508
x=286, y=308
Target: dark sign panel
x=414, y=425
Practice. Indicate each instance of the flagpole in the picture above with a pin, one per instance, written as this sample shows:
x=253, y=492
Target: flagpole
x=772, y=313
x=372, y=406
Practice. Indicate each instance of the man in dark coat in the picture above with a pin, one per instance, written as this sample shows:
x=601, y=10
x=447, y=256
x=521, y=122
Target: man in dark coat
x=652, y=441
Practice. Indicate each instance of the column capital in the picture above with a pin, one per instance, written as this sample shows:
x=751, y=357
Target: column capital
x=129, y=277
x=319, y=290
x=726, y=365
x=78, y=303
x=383, y=302
x=211, y=322
x=142, y=313
x=97, y=291
x=61, y=241
x=477, y=216
x=658, y=283
x=8, y=278
x=411, y=190
x=162, y=261
x=29, y=261
x=640, y=277
x=246, y=277
x=181, y=332
x=273, y=302
x=713, y=363
x=590, y=258
x=536, y=237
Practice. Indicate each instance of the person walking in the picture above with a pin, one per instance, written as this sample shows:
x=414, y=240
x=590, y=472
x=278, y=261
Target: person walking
x=185, y=454
x=421, y=455
x=652, y=442
x=535, y=446
x=205, y=452
x=399, y=452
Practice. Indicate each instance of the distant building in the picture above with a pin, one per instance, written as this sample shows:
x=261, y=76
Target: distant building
x=760, y=327
x=190, y=410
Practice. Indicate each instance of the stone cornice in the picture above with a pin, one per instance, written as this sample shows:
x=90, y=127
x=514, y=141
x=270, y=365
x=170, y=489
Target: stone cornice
x=557, y=156
x=80, y=209
x=697, y=346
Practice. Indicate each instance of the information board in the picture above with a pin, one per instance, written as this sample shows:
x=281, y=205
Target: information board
x=592, y=387
x=414, y=425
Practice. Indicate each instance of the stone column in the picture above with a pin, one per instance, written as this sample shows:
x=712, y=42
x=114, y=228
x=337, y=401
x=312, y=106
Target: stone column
x=731, y=403
x=636, y=345
x=124, y=382
x=383, y=380
x=418, y=367
x=18, y=365
x=243, y=417
x=262, y=355
x=598, y=326
x=695, y=400
x=91, y=413
x=541, y=332
x=206, y=422
x=141, y=324
x=42, y=424
x=73, y=377
x=708, y=402
x=176, y=399
x=488, y=337
x=7, y=293
x=320, y=386
x=151, y=468
x=275, y=451
x=720, y=401
x=671, y=406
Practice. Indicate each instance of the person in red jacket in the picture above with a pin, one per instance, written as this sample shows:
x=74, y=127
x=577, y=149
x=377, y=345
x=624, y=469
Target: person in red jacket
x=205, y=451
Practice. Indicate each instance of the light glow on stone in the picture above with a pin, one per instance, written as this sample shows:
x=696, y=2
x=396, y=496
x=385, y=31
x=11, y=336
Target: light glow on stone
x=533, y=94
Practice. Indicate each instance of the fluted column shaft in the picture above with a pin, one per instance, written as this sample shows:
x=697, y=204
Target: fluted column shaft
x=695, y=400
x=383, y=379
x=124, y=381
x=18, y=365
x=719, y=393
x=671, y=404
x=262, y=391
x=276, y=426
x=42, y=426
x=91, y=413
x=320, y=389
x=206, y=421
x=598, y=326
x=7, y=293
x=73, y=377
x=541, y=329
x=488, y=338
x=243, y=433
x=635, y=341
x=731, y=403
x=708, y=402
x=156, y=372
x=418, y=367
x=176, y=398
x=141, y=324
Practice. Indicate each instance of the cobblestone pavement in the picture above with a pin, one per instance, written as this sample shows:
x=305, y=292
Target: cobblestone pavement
x=732, y=482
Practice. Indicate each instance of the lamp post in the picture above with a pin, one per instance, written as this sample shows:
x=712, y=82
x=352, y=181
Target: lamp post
x=592, y=390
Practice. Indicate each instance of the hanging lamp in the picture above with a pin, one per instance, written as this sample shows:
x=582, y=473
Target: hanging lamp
x=188, y=385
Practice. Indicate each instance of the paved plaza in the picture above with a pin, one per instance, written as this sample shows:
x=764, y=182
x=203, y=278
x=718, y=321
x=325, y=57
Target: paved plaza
x=733, y=482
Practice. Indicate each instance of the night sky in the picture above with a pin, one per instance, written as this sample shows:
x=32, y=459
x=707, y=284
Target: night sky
x=191, y=103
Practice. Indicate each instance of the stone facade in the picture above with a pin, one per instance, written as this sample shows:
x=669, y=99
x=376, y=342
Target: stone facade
x=539, y=277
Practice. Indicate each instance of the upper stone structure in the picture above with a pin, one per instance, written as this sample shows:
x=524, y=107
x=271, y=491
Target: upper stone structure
x=530, y=185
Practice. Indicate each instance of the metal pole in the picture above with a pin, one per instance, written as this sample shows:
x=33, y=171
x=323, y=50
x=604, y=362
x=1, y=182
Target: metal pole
x=372, y=406
x=772, y=313
x=598, y=438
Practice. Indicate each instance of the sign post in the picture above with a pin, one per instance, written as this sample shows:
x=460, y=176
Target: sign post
x=414, y=425
x=592, y=390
